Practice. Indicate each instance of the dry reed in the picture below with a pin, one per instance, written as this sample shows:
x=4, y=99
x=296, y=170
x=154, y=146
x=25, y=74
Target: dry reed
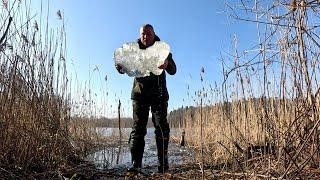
x=265, y=117
x=34, y=104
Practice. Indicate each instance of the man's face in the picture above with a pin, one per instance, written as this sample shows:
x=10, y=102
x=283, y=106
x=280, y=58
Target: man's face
x=147, y=36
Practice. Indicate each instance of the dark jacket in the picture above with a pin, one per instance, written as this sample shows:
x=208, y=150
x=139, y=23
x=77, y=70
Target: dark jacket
x=153, y=88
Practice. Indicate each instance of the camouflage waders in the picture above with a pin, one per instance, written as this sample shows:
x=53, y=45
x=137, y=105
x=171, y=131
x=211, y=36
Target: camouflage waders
x=139, y=130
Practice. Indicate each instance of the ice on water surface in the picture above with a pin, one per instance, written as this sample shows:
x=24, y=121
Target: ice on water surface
x=140, y=62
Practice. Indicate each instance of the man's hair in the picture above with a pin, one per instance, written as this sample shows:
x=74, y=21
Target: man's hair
x=147, y=26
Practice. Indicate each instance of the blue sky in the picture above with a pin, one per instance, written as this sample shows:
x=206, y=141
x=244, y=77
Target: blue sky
x=198, y=32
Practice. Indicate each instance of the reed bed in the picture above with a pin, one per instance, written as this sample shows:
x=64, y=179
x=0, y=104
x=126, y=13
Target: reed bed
x=261, y=122
x=264, y=117
x=34, y=94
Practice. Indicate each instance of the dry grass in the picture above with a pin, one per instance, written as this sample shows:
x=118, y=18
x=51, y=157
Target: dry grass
x=34, y=104
x=39, y=136
x=269, y=100
x=265, y=121
x=38, y=130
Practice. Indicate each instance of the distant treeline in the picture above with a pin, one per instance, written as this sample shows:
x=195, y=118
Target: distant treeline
x=182, y=116
x=176, y=118
x=126, y=122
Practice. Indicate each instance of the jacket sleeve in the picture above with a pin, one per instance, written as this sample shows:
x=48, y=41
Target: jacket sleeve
x=171, y=68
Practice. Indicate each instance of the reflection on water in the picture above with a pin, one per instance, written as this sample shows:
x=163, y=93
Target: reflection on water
x=119, y=156
x=110, y=157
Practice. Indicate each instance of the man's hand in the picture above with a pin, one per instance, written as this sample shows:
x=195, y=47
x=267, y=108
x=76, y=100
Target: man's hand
x=164, y=65
x=119, y=68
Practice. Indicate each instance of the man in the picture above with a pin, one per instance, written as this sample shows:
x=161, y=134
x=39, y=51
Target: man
x=150, y=92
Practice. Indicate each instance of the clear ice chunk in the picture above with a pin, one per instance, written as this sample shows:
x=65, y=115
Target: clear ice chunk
x=141, y=62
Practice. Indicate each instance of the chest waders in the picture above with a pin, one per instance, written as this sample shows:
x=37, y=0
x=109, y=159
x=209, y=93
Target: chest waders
x=159, y=118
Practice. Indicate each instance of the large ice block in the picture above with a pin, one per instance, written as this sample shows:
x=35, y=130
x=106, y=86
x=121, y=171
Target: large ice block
x=141, y=62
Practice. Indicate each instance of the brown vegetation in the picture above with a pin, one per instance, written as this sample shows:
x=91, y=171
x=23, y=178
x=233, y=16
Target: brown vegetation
x=34, y=104
x=265, y=119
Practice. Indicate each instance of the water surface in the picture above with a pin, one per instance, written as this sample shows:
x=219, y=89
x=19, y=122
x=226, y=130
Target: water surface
x=119, y=156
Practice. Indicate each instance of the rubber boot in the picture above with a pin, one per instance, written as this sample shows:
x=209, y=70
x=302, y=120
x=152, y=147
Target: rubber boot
x=136, y=165
x=136, y=157
x=162, y=147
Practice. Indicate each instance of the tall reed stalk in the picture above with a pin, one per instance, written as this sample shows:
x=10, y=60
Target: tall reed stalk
x=34, y=104
x=266, y=112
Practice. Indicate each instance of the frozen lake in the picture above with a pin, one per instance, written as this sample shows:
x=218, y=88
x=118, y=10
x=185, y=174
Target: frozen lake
x=119, y=156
